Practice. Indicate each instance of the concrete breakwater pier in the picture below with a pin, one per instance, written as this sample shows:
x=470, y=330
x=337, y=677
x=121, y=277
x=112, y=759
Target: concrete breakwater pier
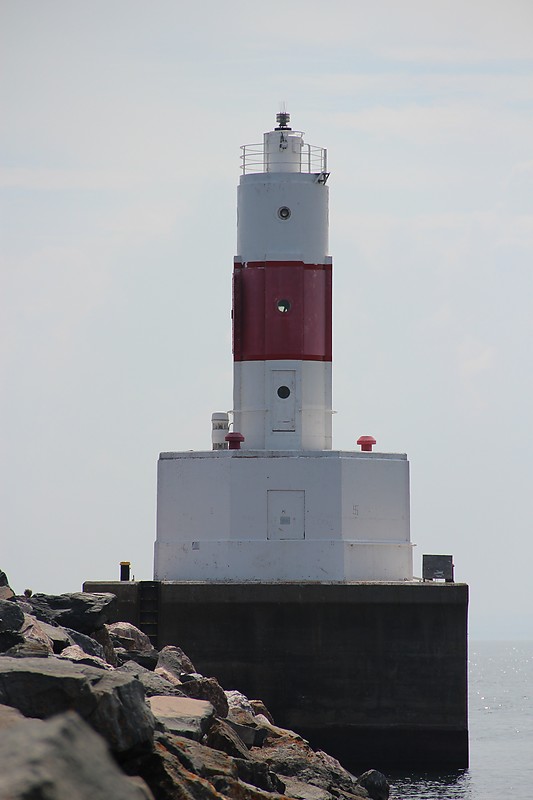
x=370, y=672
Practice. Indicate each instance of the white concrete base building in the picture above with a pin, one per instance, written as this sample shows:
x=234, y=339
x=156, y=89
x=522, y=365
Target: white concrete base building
x=247, y=515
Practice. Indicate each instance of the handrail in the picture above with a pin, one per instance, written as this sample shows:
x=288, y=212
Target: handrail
x=313, y=159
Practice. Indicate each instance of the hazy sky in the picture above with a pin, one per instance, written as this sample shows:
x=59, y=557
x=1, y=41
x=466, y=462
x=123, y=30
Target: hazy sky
x=120, y=128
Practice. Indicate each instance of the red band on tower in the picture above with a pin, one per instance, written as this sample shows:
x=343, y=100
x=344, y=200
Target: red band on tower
x=282, y=310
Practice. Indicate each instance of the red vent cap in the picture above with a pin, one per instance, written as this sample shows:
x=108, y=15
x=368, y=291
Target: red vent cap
x=234, y=440
x=366, y=442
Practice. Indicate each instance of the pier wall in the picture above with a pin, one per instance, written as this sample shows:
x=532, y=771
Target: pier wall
x=373, y=673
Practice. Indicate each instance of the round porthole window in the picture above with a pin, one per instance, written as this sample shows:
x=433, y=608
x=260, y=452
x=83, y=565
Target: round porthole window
x=284, y=392
x=283, y=306
x=284, y=212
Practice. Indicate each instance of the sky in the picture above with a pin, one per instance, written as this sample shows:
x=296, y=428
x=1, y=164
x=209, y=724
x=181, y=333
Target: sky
x=120, y=128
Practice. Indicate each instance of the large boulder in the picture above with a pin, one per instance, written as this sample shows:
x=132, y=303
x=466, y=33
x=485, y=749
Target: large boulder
x=240, y=709
x=292, y=757
x=28, y=648
x=201, y=688
x=111, y=702
x=375, y=783
x=198, y=758
x=175, y=661
x=126, y=635
x=82, y=611
x=121, y=715
x=33, y=632
x=221, y=736
x=183, y=716
x=59, y=759
x=33, y=638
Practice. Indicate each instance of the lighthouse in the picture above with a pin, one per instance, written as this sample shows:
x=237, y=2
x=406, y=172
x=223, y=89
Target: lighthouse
x=279, y=504
x=283, y=565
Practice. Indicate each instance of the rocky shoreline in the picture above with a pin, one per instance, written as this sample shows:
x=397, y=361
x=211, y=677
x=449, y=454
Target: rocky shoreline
x=90, y=709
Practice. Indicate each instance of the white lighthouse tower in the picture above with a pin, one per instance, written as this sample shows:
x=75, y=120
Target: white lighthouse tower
x=282, y=296
x=281, y=505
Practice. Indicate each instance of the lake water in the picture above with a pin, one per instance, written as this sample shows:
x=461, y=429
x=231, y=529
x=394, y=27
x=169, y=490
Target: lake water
x=501, y=731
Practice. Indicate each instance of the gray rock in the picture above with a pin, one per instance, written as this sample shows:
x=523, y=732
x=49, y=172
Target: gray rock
x=174, y=660
x=126, y=635
x=153, y=684
x=75, y=654
x=87, y=643
x=292, y=757
x=32, y=631
x=59, y=759
x=375, y=783
x=43, y=687
x=238, y=700
x=183, y=716
x=29, y=648
x=111, y=702
x=240, y=709
x=198, y=758
x=11, y=617
x=82, y=611
x=201, y=688
x=221, y=736
x=122, y=715
x=168, y=676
